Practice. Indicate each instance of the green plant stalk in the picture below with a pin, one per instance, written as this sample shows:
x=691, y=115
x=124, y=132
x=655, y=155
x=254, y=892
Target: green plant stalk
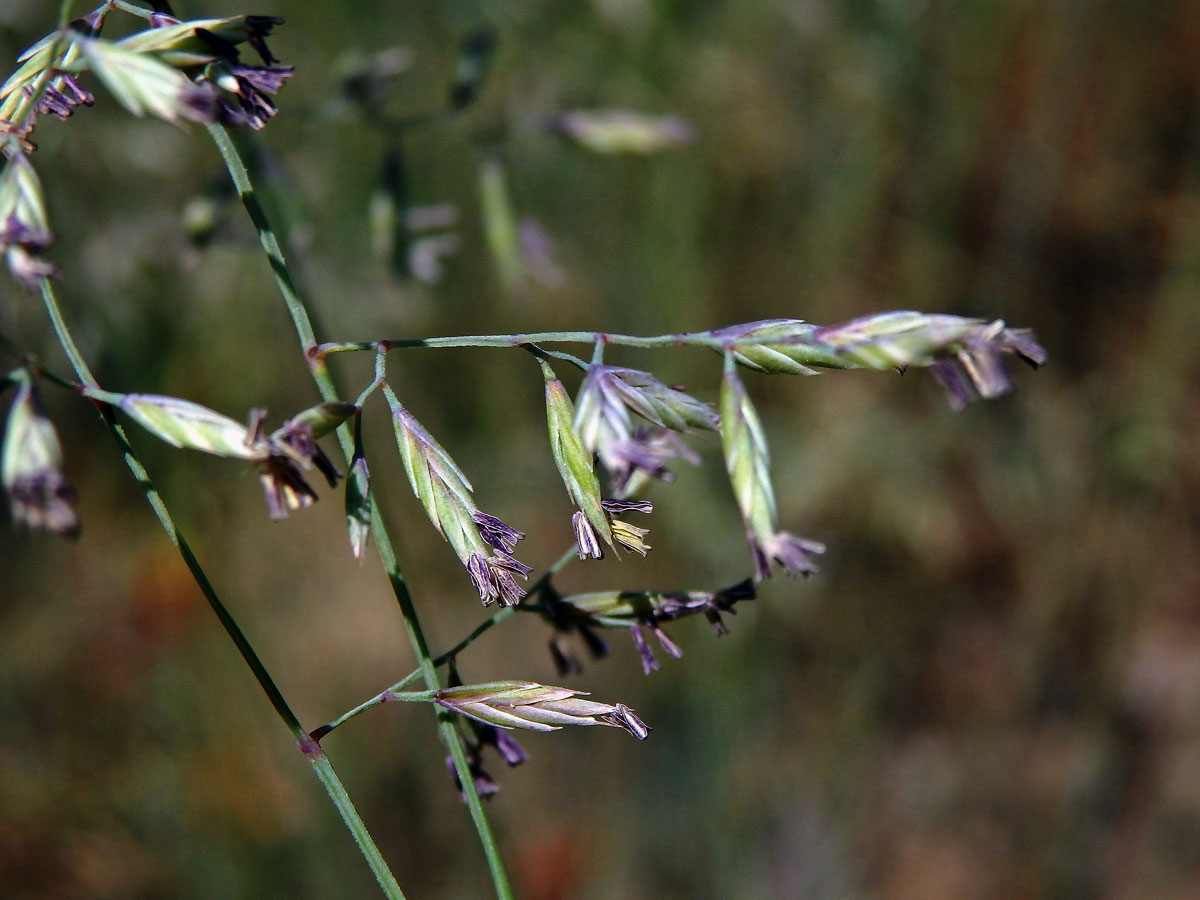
x=139, y=11
x=383, y=543
x=818, y=354
x=486, y=625
x=313, y=753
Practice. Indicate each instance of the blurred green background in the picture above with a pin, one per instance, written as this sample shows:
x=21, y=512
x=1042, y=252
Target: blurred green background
x=991, y=689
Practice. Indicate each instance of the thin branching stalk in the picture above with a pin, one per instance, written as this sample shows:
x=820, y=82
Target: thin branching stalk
x=379, y=532
x=483, y=627
x=321, y=764
x=819, y=355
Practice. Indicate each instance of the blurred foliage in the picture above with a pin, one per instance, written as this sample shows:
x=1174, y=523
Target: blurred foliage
x=992, y=688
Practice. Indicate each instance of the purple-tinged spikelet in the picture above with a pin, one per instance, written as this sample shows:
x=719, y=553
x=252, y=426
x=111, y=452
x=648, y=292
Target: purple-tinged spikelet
x=483, y=543
x=749, y=467
x=39, y=493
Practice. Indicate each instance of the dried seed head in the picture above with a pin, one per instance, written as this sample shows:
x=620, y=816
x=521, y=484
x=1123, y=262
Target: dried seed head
x=535, y=707
x=39, y=494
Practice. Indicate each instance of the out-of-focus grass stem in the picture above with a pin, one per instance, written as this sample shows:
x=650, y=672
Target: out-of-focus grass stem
x=486, y=625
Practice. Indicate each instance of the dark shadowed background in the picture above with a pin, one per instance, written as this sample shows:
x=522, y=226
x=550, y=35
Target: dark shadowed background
x=990, y=690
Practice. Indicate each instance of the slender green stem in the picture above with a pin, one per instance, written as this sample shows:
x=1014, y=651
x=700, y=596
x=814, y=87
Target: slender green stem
x=379, y=532
x=413, y=696
x=9, y=346
x=486, y=625
x=501, y=614
x=321, y=765
x=301, y=319
x=65, y=340
x=368, y=391
x=815, y=353
x=318, y=733
x=328, y=777
x=559, y=354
